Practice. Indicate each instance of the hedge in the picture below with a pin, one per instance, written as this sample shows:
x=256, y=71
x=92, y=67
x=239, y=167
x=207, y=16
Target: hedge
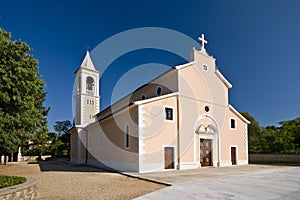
x=7, y=181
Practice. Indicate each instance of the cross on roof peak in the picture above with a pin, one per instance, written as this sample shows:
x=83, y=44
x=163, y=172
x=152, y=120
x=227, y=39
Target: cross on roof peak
x=203, y=41
x=87, y=47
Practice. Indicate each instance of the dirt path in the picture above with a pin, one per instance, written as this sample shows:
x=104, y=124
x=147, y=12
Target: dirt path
x=57, y=180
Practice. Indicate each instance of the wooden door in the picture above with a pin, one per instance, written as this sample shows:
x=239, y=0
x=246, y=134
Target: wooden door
x=169, y=158
x=205, y=152
x=233, y=155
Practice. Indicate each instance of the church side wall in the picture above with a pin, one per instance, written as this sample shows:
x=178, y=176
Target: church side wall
x=107, y=141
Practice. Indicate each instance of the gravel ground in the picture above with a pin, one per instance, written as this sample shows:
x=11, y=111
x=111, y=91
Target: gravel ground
x=58, y=180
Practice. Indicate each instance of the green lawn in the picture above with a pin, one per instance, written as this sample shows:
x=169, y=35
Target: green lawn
x=6, y=181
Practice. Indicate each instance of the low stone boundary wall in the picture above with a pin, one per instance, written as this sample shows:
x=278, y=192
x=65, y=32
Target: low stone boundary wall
x=24, y=191
x=33, y=158
x=274, y=158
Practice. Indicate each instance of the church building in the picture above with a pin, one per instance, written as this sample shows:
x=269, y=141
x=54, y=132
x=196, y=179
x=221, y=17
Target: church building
x=179, y=120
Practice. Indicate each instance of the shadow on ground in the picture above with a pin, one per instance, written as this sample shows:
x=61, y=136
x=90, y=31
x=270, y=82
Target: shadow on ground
x=46, y=166
x=64, y=166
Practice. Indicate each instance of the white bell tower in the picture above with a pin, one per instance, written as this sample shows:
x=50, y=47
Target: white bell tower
x=87, y=99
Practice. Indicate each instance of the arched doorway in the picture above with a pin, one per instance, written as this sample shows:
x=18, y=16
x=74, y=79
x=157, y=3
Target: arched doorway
x=207, y=141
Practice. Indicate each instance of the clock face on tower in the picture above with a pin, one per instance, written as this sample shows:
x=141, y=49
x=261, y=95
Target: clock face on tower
x=90, y=83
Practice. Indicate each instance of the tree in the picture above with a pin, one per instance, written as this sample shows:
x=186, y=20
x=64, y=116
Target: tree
x=41, y=144
x=272, y=139
x=21, y=94
x=57, y=147
x=62, y=127
x=254, y=134
x=268, y=140
x=40, y=137
x=290, y=132
x=62, y=144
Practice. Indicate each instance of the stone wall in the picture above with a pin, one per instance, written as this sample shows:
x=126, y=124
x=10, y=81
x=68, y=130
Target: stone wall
x=24, y=191
x=274, y=158
x=33, y=158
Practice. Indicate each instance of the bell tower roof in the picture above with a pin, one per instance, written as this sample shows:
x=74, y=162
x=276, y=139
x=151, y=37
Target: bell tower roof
x=87, y=63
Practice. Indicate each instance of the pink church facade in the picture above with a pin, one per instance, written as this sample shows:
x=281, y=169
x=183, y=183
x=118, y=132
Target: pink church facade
x=180, y=120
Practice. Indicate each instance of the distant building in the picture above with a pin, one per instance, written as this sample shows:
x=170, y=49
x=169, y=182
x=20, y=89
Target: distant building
x=180, y=120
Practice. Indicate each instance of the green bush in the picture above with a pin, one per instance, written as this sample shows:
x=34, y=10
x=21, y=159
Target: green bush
x=6, y=181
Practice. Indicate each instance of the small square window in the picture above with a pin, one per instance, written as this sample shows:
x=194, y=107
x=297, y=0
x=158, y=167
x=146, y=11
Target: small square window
x=232, y=123
x=169, y=113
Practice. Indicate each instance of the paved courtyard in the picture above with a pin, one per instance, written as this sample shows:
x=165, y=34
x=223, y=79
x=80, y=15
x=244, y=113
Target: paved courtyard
x=239, y=182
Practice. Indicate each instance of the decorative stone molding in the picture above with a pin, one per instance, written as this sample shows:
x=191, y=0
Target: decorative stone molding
x=26, y=191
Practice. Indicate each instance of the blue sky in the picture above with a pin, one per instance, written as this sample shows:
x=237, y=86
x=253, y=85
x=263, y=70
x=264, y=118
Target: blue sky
x=256, y=44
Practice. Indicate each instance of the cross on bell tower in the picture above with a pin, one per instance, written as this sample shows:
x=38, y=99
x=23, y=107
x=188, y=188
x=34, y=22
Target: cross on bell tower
x=87, y=47
x=203, y=41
